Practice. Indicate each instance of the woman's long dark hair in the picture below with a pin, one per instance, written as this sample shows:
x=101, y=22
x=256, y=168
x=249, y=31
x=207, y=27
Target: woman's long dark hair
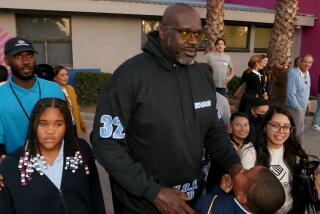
x=31, y=139
x=292, y=152
x=292, y=148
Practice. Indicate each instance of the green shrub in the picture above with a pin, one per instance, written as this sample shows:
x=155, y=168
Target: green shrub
x=90, y=86
x=233, y=85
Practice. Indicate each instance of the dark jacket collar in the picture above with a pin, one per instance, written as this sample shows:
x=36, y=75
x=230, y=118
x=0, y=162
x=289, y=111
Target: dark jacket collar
x=152, y=47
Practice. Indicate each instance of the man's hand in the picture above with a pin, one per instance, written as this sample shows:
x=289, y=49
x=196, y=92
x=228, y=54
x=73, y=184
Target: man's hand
x=2, y=158
x=172, y=201
x=1, y=182
x=309, y=108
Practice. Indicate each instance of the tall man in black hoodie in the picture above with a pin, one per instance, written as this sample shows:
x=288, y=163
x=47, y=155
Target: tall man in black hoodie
x=156, y=116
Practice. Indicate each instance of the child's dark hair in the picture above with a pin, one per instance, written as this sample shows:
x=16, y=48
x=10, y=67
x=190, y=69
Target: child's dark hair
x=44, y=71
x=39, y=108
x=57, y=69
x=260, y=197
x=3, y=73
x=238, y=114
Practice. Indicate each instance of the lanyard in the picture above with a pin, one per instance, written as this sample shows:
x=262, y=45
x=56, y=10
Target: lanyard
x=211, y=204
x=19, y=101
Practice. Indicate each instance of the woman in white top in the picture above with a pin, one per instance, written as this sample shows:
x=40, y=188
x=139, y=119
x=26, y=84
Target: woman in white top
x=277, y=149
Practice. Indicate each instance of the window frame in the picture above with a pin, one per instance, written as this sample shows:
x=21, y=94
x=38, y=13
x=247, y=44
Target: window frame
x=260, y=50
x=46, y=41
x=245, y=24
x=203, y=22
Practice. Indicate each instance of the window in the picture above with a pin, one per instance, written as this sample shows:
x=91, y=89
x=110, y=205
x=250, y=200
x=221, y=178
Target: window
x=50, y=35
x=237, y=37
x=262, y=39
x=148, y=26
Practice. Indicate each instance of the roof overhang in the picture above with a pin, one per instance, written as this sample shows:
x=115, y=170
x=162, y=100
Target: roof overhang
x=145, y=8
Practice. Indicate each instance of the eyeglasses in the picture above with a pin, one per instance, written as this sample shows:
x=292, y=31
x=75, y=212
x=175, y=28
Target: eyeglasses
x=186, y=35
x=277, y=127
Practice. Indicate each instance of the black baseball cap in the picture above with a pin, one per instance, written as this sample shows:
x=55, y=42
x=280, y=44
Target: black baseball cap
x=17, y=45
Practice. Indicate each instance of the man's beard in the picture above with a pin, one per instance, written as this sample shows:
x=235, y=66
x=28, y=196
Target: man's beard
x=184, y=61
x=177, y=55
x=17, y=74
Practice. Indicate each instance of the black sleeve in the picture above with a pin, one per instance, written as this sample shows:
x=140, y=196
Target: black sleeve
x=6, y=204
x=244, y=76
x=96, y=192
x=94, y=181
x=109, y=136
x=254, y=85
x=3, y=149
x=217, y=143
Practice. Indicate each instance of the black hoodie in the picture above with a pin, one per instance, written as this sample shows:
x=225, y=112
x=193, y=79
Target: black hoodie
x=168, y=114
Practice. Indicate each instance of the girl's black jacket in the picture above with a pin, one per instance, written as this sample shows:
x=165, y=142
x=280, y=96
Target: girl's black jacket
x=79, y=193
x=152, y=124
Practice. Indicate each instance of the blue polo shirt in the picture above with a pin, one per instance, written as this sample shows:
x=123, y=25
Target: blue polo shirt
x=13, y=121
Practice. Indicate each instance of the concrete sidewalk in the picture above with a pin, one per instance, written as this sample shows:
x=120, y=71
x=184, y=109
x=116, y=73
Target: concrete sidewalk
x=311, y=139
x=104, y=177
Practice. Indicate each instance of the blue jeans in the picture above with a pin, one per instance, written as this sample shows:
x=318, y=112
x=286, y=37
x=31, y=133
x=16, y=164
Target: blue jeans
x=316, y=116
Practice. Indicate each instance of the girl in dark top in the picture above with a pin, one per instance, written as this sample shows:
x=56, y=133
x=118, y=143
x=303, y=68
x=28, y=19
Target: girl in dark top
x=253, y=83
x=54, y=172
x=264, y=77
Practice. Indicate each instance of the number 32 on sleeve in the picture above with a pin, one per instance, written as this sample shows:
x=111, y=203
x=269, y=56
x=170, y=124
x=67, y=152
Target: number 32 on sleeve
x=106, y=130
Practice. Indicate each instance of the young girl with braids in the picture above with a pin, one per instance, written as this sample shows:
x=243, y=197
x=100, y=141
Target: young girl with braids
x=54, y=172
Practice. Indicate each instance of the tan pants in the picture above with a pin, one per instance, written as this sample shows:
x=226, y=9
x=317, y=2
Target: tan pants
x=298, y=117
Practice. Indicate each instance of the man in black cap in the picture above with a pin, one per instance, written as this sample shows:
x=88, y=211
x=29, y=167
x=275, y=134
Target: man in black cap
x=20, y=93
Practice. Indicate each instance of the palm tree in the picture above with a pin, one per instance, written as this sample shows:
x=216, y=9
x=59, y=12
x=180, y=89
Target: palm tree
x=214, y=23
x=279, y=53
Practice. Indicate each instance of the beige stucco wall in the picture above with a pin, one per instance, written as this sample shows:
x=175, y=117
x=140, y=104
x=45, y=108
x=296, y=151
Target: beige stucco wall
x=104, y=42
x=8, y=22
